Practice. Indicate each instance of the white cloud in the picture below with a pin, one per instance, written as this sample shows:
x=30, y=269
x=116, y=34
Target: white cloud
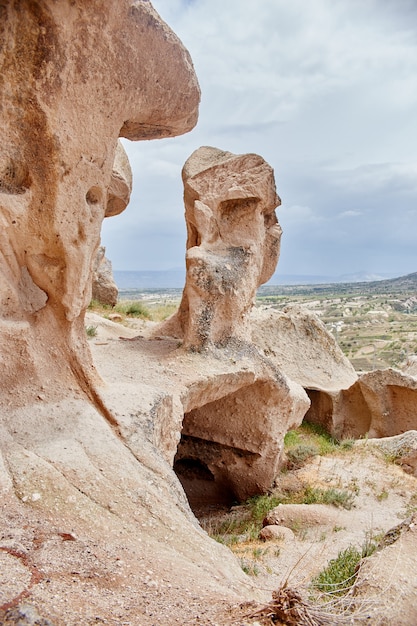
x=326, y=92
x=349, y=214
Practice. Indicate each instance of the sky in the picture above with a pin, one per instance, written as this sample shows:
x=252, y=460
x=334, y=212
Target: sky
x=326, y=93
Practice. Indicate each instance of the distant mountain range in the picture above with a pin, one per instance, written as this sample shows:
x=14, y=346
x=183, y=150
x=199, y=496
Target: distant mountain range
x=171, y=279
x=175, y=279
x=400, y=285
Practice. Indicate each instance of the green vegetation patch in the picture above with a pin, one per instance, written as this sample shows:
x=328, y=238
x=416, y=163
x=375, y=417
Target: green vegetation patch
x=340, y=574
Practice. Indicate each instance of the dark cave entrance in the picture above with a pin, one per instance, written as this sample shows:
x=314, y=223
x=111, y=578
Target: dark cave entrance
x=206, y=489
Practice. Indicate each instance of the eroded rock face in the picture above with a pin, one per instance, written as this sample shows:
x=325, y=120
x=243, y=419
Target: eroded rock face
x=72, y=81
x=233, y=427
x=82, y=510
x=298, y=343
x=381, y=404
x=104, y=288
x=233, y=243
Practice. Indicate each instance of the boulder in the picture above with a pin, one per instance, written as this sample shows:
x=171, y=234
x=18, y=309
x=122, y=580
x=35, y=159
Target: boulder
x=381, y=403
x=298, y=344
x=400, y=448
x=276, y=533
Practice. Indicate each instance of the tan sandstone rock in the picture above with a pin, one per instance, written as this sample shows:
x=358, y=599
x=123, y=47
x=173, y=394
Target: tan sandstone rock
x=274, y=532
x=82, y=514
x=104, y=289
x=380, y=404
x=120, y=188
x=76, y=81
x=233, y=424
x=298, y=343
x=233, y=244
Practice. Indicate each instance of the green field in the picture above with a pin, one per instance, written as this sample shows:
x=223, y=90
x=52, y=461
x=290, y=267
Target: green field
x=374, y=323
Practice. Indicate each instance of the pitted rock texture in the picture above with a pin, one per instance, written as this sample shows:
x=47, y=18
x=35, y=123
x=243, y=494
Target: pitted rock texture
x=233, y=244
x=82, y=513
x=73, y=78
x=120, y=188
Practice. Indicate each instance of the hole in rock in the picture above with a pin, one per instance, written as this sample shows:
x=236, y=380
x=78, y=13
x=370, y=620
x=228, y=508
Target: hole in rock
x=321, y=409
x=93, y=196
x=206, y=490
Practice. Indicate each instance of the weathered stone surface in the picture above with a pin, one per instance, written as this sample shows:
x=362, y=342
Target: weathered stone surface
x=401, y=448
x=120, y=188
x=233, y=243
x=104, y=288
x=87, y=512
x=220, y=417
x=392, y=570
x=380, y=404
x=302, y=515
x=299, y=344
x=234, y=426
x=78, y=78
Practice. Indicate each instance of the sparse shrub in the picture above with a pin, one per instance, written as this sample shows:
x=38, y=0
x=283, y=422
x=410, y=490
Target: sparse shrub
x=261, y=505
x=340, y=574
x=251, y=569
x=298, y=455
x=134, y=309
x=91, y=331
x=336, y=497
x=292, y=438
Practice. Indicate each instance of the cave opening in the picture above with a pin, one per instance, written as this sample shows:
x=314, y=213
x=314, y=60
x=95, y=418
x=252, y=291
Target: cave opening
x=206, y=488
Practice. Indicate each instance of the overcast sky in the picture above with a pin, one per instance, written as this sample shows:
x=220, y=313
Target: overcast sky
x=326, y=92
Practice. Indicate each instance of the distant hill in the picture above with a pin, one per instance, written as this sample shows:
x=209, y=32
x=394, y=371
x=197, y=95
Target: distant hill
x=175, y=279
x=150, y=280
x=402, y=284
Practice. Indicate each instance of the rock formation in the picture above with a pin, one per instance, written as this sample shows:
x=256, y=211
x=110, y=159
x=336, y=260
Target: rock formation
x=299, y=345
x=82, y=515
x=233, y=244
x=380, y=404
x=233, y=425
x=73, y=80
x=104, y=289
